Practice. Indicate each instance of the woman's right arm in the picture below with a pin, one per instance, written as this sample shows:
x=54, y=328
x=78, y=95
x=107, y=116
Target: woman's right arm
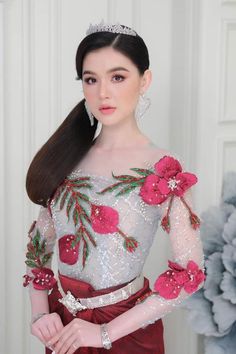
x=39, y=276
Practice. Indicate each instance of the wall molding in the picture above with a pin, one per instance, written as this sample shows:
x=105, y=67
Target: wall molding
x=2, y=183
x=192, y=40
x=222, y=144
x=228, y=2
x=226, y=26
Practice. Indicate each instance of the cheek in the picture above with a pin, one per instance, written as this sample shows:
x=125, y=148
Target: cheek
x=89, y=93
x=129, y=94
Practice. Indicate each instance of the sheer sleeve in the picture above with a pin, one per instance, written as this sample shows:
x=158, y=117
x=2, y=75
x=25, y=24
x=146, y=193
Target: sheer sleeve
x=185, y=274
x=42, y=238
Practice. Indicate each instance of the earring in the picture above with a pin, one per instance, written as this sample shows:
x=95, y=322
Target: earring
x=142, y=106
x=90, y=115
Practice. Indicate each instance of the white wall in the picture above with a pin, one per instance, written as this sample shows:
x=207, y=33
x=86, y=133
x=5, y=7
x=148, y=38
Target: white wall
x=192, y=51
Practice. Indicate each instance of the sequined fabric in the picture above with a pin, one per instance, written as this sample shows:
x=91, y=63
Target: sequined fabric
x=109, y=263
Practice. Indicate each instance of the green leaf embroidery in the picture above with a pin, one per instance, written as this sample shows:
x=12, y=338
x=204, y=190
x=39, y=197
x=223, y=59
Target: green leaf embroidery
x=31, y=264
x=75, y=216
x=30, y=256
x=142, y=171
x=70, y=204
x=85, y=252
x=126, y=190
x=46, y=258
x=36, y=239
x=35, y=255
x=63, y=199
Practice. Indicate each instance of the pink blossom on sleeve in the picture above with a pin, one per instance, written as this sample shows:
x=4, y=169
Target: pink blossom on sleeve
x=170, y=283
x=43, y=278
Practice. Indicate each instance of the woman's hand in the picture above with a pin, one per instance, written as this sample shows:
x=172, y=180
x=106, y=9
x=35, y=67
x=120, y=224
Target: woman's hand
x=78, y=333
x=47, y=327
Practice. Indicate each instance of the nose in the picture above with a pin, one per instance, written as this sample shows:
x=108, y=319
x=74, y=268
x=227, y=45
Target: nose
x=104, y=90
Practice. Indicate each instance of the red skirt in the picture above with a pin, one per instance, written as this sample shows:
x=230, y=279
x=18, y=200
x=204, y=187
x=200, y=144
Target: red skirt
x=148, y=340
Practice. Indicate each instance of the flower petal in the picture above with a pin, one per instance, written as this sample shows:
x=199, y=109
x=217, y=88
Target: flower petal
x=67, y=253
x=44, y=278
x=186, y=180
x=104, y=219
x=167, y=286
x=167, y=167
x=150, y=192
x=164, y=187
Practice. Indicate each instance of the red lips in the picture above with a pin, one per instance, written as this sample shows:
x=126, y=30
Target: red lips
x=106, y=110
x=105, y=107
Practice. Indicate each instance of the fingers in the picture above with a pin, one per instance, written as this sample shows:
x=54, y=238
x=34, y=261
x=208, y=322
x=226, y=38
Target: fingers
x=58, y=325
x=69, y=345
x=74, y=346
x=62, y=341
x=47, y=327
x=52, y=330
x=42, y=332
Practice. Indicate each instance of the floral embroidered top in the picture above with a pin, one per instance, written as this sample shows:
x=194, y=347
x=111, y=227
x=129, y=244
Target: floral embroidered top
x=102, y=229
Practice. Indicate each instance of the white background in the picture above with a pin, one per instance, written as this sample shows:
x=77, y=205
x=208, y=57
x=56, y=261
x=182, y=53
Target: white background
x=192, y=45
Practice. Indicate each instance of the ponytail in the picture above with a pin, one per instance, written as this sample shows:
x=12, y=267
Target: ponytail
x=60, y=154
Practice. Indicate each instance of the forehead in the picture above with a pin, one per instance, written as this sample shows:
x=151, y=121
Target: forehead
x=106, y=58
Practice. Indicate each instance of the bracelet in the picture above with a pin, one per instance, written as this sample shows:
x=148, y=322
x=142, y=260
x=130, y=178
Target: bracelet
x=37, y=317
x=106, y=342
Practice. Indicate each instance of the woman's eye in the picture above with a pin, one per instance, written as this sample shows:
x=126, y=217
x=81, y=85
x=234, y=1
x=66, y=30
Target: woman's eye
x=90, y=80
x=118, y=78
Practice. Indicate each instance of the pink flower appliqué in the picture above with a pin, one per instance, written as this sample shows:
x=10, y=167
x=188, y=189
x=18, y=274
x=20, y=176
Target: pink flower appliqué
x=150, y=191
x=196, y=276
x=105, y=219
x=172, y=179
x=170, y=283
x=43, y=278
x=168, y=181
x=27, y=280
x=68, y=252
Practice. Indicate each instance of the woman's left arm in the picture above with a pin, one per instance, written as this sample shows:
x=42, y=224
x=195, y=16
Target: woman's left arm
x=184, y=277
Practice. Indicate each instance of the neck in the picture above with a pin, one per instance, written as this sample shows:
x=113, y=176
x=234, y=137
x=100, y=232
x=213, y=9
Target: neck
x=123, y=136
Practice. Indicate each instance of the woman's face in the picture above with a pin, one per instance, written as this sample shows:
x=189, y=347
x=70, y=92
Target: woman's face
x=112, y=85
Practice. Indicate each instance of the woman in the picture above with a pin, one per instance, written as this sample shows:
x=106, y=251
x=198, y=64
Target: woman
x=101, y=201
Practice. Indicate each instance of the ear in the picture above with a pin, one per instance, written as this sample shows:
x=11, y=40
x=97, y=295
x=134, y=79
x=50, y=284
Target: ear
x=145, y=81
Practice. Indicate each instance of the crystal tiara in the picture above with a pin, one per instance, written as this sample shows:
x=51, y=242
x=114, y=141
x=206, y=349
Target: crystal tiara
x=108, y=27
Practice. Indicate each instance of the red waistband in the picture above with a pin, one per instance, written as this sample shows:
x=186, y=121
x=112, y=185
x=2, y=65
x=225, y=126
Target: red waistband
x=82, y=289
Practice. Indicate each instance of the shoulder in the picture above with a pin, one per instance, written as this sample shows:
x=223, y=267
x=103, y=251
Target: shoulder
x=157, y=153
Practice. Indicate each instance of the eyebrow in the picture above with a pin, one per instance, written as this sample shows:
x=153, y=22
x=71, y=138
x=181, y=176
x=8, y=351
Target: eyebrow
x=118, y=68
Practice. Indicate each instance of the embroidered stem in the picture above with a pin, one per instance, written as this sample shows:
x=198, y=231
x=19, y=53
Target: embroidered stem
x=128, y=183
x=72, y=198
x=130, y=243
x=165, y=223
x=194, y=219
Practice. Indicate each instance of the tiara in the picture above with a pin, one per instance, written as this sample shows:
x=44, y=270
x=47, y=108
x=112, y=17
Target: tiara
x=113, y=28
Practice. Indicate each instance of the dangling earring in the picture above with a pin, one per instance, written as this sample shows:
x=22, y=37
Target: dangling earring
x=90, y=115
x=142, y=106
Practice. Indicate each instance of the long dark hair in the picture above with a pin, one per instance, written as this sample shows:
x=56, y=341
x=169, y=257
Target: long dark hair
x=75, y=136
